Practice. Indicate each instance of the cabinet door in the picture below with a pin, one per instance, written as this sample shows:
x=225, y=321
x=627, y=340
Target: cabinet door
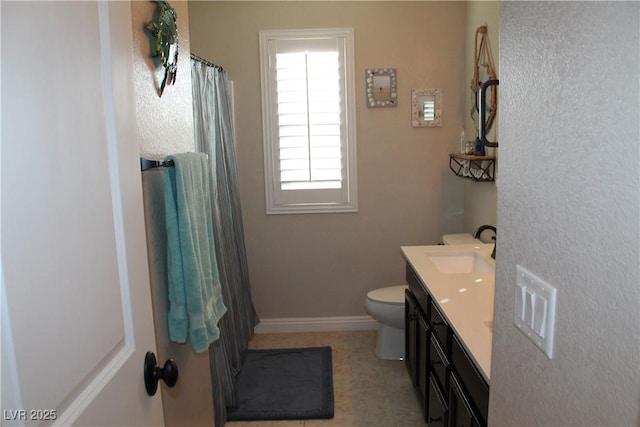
x=423, y=335
x=410, y=342
x=471, y=380
x=436, y=415
x=460, y=412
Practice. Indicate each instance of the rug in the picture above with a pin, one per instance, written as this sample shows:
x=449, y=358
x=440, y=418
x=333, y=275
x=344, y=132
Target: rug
x=285, y=384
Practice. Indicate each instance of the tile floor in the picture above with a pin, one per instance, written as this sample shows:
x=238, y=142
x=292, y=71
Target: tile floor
x=368, y=392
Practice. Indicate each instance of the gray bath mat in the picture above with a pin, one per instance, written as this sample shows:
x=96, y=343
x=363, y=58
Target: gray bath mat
x=285, y=384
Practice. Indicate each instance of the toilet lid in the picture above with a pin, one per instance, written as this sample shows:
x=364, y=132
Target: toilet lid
x=390, y=295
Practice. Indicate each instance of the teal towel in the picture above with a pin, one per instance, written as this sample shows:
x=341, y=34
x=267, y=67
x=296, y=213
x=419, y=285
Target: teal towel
x=195, y=299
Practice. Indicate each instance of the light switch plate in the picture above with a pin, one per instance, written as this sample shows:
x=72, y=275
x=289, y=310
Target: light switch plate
x=536, y=321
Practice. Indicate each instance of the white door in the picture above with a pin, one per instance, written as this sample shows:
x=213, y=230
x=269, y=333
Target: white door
x=76, y=307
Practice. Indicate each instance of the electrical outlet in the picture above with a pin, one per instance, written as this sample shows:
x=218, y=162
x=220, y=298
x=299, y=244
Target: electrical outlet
x=535, y=309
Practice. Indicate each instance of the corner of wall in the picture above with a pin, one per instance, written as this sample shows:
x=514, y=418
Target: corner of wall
x=480, y=198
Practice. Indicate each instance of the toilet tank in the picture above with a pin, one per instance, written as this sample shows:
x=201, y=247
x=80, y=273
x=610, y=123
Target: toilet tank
x=459, y=239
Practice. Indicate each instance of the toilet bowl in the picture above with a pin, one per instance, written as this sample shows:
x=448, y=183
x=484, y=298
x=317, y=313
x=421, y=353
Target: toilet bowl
x=386, y=305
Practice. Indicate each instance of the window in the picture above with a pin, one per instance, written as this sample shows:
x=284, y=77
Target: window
x=308, y=120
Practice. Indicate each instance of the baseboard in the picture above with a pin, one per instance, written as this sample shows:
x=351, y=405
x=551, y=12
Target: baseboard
x=316, y=324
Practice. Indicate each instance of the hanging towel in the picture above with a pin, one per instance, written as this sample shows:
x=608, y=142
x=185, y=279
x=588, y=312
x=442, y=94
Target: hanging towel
x=195, y=299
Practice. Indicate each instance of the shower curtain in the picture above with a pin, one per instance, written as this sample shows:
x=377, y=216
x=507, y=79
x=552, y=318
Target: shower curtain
x=214, y=135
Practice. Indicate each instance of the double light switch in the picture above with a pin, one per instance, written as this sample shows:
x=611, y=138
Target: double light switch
x=534, y=311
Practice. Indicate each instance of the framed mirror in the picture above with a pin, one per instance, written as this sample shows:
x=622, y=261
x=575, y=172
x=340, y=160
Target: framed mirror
x=426, y=108
x=382, y=87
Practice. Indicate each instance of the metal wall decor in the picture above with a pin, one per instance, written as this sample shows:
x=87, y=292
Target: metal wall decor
x=382, y=87
x=483, y=72
x=164, y=28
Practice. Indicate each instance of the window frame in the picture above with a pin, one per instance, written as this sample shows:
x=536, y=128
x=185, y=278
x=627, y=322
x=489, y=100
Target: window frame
x=280, y=201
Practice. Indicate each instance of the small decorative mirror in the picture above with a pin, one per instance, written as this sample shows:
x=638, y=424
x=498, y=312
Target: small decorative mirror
x=165, y=29
x=382, y=87
x=426, y=108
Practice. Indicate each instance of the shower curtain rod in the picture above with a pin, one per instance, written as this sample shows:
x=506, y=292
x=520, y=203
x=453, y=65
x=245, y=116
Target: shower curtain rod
x=205, y=62
x=150, y=164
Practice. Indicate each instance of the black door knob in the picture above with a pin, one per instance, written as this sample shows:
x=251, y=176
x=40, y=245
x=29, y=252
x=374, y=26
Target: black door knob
x=152, y=373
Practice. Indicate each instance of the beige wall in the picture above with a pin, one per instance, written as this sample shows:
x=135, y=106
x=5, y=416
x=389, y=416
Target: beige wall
x=165, y=126
x=317, y=265
x=480, y=198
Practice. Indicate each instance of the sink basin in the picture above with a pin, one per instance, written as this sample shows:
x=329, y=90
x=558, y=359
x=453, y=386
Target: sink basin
x=461, y=263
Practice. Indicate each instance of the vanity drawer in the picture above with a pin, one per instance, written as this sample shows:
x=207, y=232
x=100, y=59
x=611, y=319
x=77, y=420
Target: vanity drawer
x=440, y=327
x=416, y=287
x=436, y=413
x=440, y=364
x=472, y=381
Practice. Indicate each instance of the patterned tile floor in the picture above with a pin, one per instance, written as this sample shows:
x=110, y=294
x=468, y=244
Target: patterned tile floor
x=368, y=392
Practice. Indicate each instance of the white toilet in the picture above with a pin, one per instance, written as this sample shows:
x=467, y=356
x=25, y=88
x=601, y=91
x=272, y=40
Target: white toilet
x=386, y=305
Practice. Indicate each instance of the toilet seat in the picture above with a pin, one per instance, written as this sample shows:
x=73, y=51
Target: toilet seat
x=392, y=295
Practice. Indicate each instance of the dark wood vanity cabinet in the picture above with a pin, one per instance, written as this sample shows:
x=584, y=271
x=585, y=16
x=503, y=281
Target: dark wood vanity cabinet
x=451, y=390
x=424, y=333
x=411, y=336
x=417, y=333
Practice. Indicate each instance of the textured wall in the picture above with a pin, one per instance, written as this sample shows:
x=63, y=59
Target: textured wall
x=165, y=124
x=317, y=265
x=569, y=211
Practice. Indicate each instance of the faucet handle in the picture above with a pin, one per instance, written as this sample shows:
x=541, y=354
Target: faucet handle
x=482, y=228
x=493, y=253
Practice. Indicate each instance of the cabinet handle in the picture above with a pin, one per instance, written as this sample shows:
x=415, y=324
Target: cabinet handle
x=437, y=362
x=431, y=419
x=438, y=323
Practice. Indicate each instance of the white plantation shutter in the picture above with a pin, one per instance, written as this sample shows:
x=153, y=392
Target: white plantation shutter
x=308, y=120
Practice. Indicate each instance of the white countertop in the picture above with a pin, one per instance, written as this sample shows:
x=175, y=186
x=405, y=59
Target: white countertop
x=466, y=300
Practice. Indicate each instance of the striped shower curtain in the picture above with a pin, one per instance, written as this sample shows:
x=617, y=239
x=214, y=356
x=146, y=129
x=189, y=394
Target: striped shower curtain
x=214, y=135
